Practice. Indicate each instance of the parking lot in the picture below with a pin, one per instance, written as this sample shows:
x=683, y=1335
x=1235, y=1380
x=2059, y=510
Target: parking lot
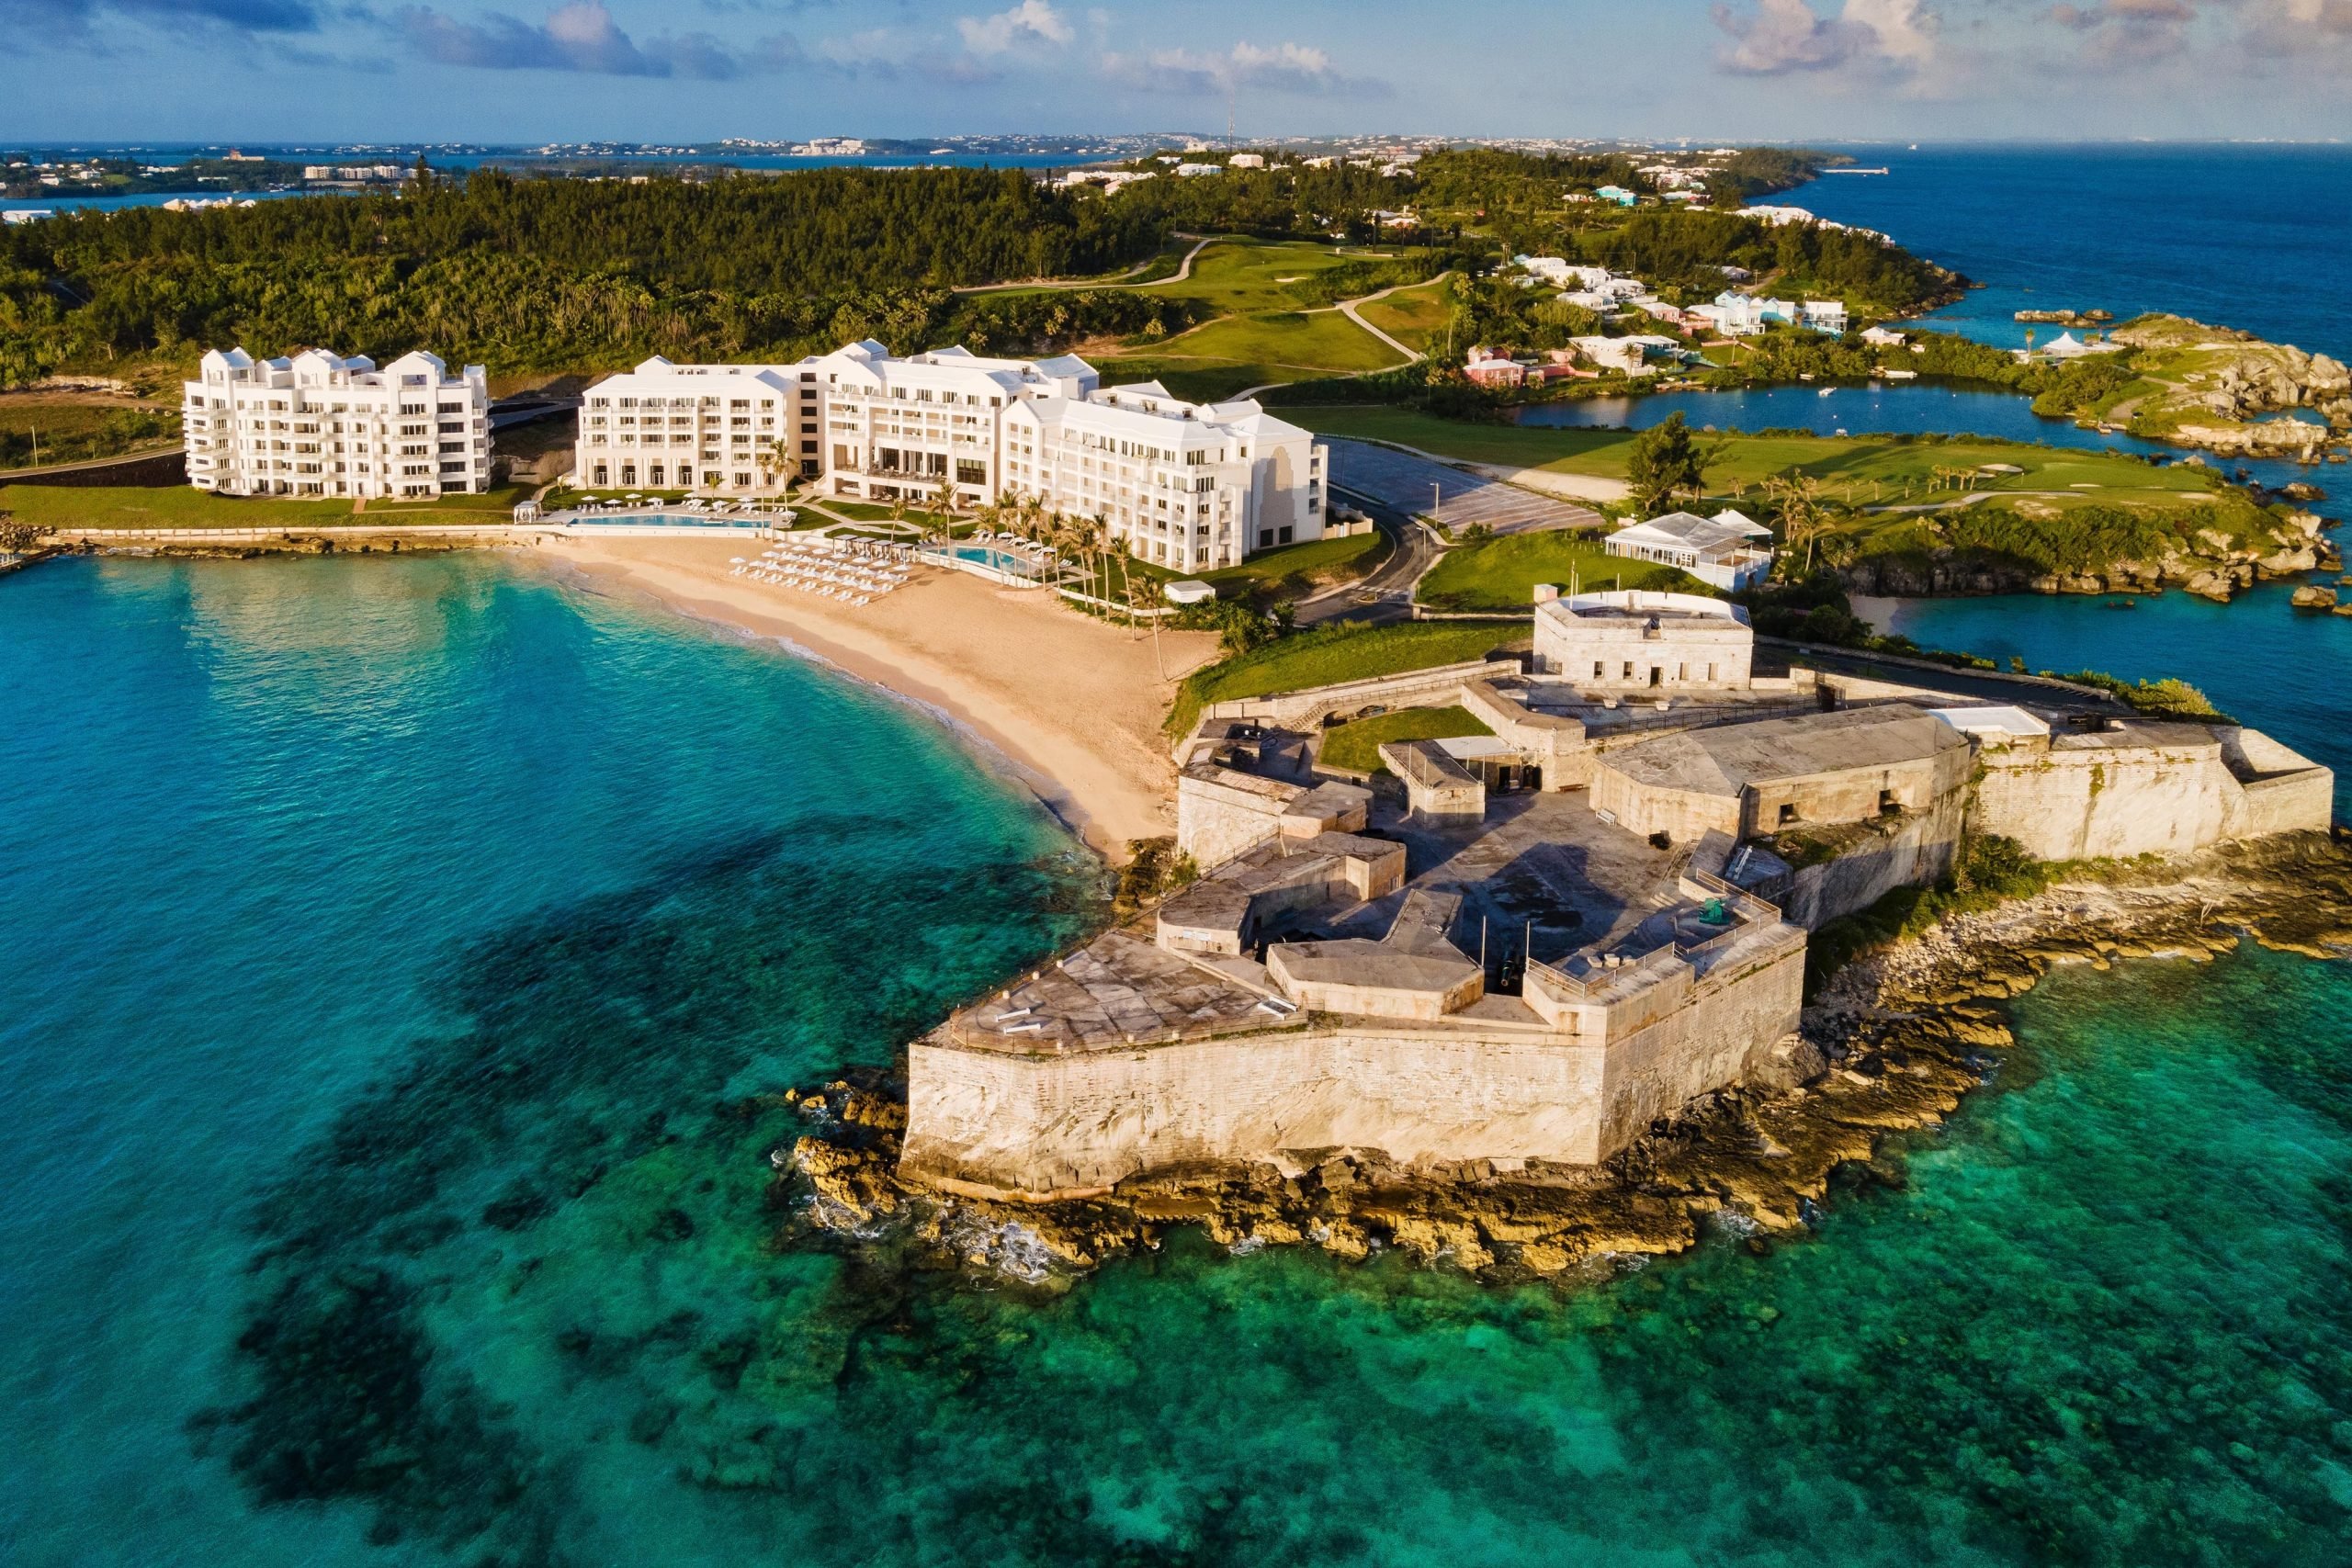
x=1462, y=498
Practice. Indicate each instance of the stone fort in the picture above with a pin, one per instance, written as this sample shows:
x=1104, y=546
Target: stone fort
x=1529, y=945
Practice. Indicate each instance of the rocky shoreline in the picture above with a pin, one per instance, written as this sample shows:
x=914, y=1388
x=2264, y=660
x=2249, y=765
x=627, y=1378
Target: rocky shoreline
x=2219, y=571
x=390, y=541
x=1892, y=1043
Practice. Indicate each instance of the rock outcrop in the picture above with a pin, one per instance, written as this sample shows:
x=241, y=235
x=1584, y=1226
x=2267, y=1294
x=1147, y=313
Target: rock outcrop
x=2222, y=390
x=1892, y=1043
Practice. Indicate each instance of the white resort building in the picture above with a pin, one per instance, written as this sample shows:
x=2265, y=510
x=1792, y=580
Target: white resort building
x=734, y=429
x=1187, y=485
x=1729, y=550
x=1190, y=486
x=320, y=424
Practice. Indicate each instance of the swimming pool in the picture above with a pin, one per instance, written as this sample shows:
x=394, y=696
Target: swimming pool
x=986, y=560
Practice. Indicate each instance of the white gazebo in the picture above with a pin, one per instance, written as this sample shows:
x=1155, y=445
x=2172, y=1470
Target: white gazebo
x=1729, y=550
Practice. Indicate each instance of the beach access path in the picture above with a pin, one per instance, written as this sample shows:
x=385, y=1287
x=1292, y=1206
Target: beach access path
x=1073, y=704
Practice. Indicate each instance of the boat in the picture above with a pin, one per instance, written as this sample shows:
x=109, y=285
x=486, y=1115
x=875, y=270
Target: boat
x=1827, y=390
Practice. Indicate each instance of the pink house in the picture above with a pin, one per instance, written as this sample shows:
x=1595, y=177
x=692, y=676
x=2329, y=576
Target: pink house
x=1484, y=367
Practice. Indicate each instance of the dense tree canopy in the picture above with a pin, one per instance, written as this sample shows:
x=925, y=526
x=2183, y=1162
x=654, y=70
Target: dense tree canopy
x=558, y=273
x=554, y=273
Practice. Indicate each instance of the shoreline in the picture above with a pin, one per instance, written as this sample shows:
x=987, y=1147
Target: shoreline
x=1069, y=705
x=1894, y=1043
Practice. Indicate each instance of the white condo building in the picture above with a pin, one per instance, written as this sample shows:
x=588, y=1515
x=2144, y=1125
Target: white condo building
x=320, y=424
x=1186, y=485
x=732, y=429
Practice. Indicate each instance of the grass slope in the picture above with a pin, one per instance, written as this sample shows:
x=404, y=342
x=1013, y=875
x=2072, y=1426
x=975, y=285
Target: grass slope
x=1328, y=658
x=1233, y=353
x=1501, y=575
x=58, y=432
x=183, y=506
x=1871, y=468
x=1356, y=746
x=1412, y=316
x=1238, y=277
x=1295, y=569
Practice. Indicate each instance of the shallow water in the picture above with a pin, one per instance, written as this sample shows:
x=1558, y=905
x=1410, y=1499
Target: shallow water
x=398, y=950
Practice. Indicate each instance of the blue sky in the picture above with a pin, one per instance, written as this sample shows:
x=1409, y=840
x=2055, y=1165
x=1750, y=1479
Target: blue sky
x=641, y=70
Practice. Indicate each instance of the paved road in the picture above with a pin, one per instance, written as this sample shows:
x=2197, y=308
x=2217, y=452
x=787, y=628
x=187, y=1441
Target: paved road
x=1462, y=498
x=1388, y=593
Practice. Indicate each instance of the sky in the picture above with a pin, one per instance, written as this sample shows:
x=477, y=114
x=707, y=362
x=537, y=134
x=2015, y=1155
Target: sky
x=522, y=72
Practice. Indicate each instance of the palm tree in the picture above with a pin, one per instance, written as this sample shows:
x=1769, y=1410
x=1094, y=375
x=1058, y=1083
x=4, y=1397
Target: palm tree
x=772, y=459
x=1094, y=531
x=898, y=513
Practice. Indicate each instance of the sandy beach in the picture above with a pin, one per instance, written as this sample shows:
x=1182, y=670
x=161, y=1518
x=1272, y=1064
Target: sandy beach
x=1073, y=705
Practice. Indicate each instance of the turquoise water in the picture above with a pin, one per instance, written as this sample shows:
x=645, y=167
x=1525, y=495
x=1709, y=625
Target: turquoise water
x=987, y=556
x=398, y=950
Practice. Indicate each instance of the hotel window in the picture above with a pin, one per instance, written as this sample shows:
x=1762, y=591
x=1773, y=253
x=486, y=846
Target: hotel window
x=742, y=481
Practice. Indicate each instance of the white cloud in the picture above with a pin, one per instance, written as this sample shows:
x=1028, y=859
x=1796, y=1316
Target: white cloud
x=1032, y=21
x=1279, y=68
x=1782, y=37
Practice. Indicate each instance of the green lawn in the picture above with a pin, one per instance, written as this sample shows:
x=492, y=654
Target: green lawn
x=1297, y=570
x=1356, y=746
x=1501, y=575
x=1412, y=316
x=1343, y=653
x=1237, y=276
x=183, y=506
x=1864, y=469
x=1233, y=353
x=866, y=511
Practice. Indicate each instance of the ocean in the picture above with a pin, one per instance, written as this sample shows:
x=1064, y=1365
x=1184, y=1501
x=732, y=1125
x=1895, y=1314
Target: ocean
x=404, y=957
x=2246, y=236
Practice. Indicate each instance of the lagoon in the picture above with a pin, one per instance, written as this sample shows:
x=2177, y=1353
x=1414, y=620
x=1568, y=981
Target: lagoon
x=1916, y=408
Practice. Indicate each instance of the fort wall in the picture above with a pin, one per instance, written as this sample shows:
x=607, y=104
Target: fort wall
x=1062, y=1125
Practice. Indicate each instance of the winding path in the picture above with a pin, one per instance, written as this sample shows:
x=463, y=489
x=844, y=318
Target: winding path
x=1125, y=280
x=1348, y=309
